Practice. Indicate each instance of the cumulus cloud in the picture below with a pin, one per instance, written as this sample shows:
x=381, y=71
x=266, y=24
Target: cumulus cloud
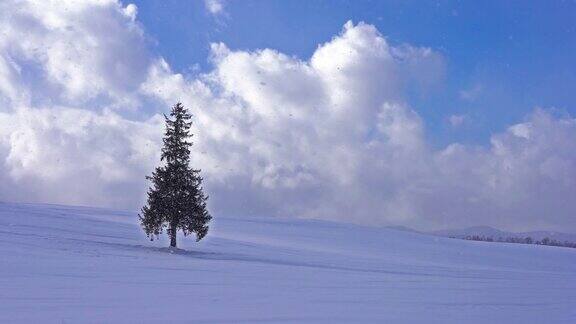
x=332, y=136
x=74, y=51
x=75, y=156
x=523, y=180
x=65, y=68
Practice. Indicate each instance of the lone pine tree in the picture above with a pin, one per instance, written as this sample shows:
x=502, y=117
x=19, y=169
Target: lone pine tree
x=176, y=200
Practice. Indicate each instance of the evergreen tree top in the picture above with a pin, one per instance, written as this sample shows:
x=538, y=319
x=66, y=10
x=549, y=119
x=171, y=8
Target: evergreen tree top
x=176, y=145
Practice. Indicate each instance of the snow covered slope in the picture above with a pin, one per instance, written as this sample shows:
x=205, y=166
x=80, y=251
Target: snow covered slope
x=63, y=264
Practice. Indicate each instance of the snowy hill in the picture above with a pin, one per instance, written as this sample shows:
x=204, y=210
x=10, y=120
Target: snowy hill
x=495, y=233
x=64, y=264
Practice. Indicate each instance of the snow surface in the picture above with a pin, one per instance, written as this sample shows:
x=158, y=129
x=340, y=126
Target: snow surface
x=64, y=264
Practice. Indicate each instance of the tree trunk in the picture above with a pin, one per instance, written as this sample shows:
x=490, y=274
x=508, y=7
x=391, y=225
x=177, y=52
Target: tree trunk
x=173, y=235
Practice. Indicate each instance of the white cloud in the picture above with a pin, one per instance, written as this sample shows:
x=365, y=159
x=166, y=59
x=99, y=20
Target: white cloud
x=75, y=51
x=457, y=120
x=214, y=7
x=76, y=156
x=330, y=137
x=525, y=179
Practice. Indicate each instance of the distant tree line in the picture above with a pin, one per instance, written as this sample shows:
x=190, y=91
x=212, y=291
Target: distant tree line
x=519, y=240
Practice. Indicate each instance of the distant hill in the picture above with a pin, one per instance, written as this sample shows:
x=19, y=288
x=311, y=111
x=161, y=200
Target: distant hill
x=496, y=233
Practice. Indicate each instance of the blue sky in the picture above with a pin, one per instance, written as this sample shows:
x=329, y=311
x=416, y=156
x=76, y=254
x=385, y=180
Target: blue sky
x=510, y=56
